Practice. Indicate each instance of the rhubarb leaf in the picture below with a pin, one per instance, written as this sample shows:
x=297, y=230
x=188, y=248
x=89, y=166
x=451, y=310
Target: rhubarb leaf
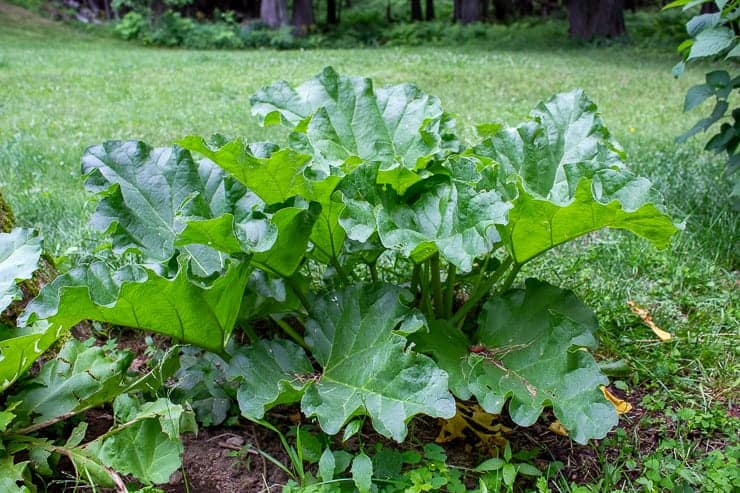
x=565, y=177
x=134, y=296
x=356, y=336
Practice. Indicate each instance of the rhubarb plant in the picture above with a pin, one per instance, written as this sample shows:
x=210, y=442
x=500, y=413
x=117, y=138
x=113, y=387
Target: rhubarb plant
x=144, y=441
x=372, y=262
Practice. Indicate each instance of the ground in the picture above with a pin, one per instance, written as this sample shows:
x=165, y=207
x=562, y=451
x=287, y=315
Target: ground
x=63, y=89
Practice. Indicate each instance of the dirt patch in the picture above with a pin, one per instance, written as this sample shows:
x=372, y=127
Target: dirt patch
x=225, y=460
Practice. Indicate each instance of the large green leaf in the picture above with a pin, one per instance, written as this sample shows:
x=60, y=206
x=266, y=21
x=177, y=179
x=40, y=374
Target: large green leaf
x=534, y=338
x=277, y=177
x=145, y=442
x=565, y=177
x=148, y=196
x=78, y=378
x=19, y=256
x=356, y=336
x=20, y=347
x=337, y=118
x=529, y=350
x=133, y=296
x=269, y=373
x=452, y=218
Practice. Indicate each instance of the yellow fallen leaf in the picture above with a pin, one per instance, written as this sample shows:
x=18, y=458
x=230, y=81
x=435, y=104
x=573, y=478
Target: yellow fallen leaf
x=648, y=320
x=558, y=428
x=470, y=417
x=620, y=405
x=452, y=429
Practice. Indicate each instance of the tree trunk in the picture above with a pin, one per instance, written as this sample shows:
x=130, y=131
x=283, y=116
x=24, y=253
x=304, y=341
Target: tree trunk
x=274, y=13
x=302, y=15
x=430, y=10
x=331, y=12
x=484, y=10
x=501, y=9
x=456, y=10
x=416, y=14
x=7, y=219
x=596, y=19
x=469, y=11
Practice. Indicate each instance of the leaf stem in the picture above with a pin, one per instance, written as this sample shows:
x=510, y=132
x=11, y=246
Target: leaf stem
x=340, y=270
x=299, y=294
x=426, y=306
x=436, y=284
x=373, y=271
x=290, y=331
x=481, y=289
x=449, y=290
x=510, y=279
x=415, y=276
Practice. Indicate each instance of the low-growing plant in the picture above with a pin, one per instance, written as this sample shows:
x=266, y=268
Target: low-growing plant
x=144, y=440
x=372, y=262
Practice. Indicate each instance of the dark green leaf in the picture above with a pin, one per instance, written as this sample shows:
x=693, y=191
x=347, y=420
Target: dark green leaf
x=712, y=42
x=269, y=373
x=534, y=338
x=696, y=96
x=367, y=368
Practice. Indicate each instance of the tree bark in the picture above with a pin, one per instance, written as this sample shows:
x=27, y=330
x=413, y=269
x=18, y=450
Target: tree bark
x=469, y=11
x=7, y=219
x=331, y=12
x=274, y=13
x=501, y=9
x=416, y=14
x=302, y=15
x=430, y=10
x=590, y=19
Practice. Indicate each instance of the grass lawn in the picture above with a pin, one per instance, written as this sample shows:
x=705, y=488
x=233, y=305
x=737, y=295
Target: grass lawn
x=62, y=90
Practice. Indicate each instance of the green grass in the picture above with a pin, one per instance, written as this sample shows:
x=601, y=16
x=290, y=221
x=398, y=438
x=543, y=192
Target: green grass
x=62, y=90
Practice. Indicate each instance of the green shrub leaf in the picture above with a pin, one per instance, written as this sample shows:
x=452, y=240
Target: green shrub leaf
x=148, y=196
